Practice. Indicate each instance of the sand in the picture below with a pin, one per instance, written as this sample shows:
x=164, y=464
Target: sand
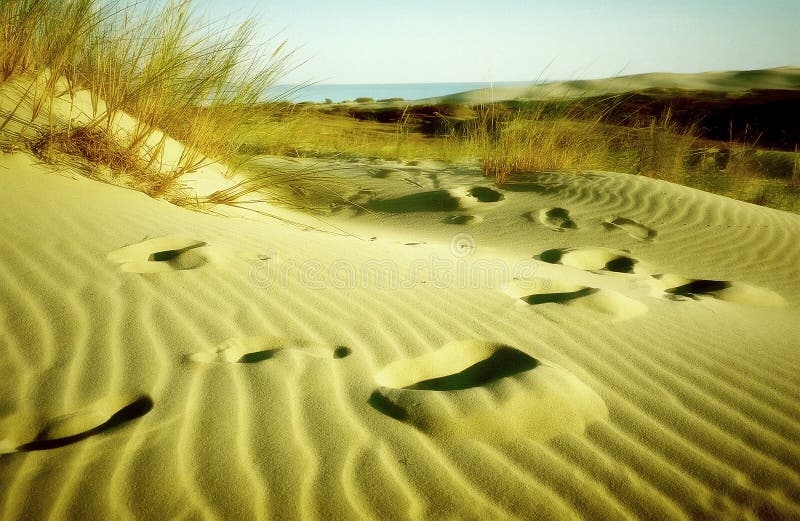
x=596, y=346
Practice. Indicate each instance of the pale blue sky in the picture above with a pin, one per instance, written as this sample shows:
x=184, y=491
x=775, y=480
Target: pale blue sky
x=506, y=40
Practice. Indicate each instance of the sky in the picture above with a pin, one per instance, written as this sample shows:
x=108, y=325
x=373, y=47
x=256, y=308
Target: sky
x=427, y=41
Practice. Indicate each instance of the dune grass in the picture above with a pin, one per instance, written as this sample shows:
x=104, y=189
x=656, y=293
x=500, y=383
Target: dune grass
x=175, y=74
x=659, y=148
x=535, y=138
x=507, y=139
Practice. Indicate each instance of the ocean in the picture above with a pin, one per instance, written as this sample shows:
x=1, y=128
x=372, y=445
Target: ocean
x=408, y=91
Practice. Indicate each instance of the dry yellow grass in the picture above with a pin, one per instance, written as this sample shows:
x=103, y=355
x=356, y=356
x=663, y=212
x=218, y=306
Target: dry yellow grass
x=538, y=139
x=177, y=76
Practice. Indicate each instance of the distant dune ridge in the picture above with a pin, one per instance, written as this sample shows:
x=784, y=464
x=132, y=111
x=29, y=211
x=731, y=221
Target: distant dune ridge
x=601, y=346
x=725, y=81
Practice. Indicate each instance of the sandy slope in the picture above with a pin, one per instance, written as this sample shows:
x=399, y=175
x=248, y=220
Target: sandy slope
x=569, y=347
x=29, y=110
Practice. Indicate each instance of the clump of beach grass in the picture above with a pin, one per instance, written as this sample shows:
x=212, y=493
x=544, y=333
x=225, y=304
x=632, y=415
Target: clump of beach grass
x=572, y=136
x=175, y=75
x=532, y=140
x=658, y=149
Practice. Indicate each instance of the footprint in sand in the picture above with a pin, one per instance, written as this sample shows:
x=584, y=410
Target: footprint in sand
x=635, y=229
x=485, y=390
x=675, y=287
x=72, y=428
x=594, y=259
x=484, y=194
x=606, y=302
x=437, y=200
x=557, y=219
x=170, y=253
x=250, y=350
x=463, y=219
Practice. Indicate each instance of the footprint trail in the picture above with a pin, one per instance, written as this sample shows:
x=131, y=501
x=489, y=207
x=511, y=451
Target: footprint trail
x=251, y=350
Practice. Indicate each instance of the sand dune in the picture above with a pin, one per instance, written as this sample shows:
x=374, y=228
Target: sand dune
x=452, y=350
x=786, y=78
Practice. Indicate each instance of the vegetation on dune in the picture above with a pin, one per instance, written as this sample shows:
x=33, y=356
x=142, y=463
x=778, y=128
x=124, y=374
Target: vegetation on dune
x=629, y=133
x=176, y=75
x=576, y=137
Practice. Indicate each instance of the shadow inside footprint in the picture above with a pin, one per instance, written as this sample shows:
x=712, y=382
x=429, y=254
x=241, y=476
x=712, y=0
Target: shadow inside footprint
x=162, y=254
x=342, y=352
x=698, y=287
x=168, y=255
x=552, y=256
x=557, y=219
x=620, y=265
x=608, y=303
x=562, y=214
x=258, y=356
x=386, y=406
x=485, y=194
x=484, y=390
x=136, y=409
x=252, y=350
x=505, y=361
x=675, y=287
x=558, y=298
